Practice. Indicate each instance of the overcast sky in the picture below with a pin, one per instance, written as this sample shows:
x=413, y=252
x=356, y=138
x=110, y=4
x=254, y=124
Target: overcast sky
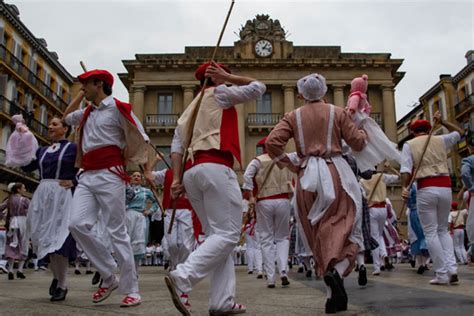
x=431, y=36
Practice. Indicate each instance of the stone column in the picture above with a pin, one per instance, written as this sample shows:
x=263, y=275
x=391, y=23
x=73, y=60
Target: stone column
x=389, y=118
x=338, y=90
x=139, y=102
x=188, y=96
x=289, y=98
x=289, y=105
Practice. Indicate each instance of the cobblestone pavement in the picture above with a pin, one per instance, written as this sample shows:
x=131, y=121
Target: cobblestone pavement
x=400, y=292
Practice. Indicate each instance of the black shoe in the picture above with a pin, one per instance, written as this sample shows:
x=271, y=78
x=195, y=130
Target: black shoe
x=59, y=295
x=300, y=270
x=10, y=276
x=53, y=287
x=100, y=282
x=166, y=266
x=390, y=266
x=96, y=278
x=20, y=275
x=331, y=306
x=309, y=273
x=339, y=295
x=89, y=272
x=259, y=276
x=77, y=272
x=421, y=270
x=387, y=264
x=250, y=272
x=362, y=276
x=271, y=286
x=412, y=263
x=356, y=268
x=382, y=268
x=453, y=279
x=284, y=281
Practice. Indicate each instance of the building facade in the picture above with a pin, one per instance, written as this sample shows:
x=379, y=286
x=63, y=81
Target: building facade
x=453, y=96
x=162, y=85
x=32, y=82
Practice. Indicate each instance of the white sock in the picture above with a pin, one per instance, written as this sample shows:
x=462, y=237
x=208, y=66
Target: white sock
x=107, y=282
x=328, y=292
x=10, y=265
x=52, y=266
x=134, y=295
x=360, y=258
x=21, y=263
x=342, y=266
x=61, y=266
x=35, y=263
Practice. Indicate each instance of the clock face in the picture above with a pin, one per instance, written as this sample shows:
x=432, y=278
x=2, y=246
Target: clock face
x=263, y=48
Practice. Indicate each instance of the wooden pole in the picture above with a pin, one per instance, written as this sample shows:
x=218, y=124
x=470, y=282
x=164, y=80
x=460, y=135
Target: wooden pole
x=413, y=176
x=192, y=122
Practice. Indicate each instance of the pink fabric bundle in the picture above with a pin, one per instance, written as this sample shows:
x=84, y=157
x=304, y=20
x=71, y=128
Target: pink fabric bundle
x=22, y=144
x=358, y=98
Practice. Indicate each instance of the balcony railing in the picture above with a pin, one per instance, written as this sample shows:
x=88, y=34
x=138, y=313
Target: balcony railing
x=263, y=119
x=377, y=117
x=161, y=120
x=23, y=71
x=11, y=108
x=463, y=105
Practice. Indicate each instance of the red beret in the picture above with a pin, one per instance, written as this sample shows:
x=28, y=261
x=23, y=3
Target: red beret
x=262, y=141
x=99, y=74
x=201, y=71
x=420, y=123
x=454, y=205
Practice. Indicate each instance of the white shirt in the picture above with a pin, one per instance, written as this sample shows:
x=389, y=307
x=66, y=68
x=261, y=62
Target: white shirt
x=159, y=176
x=226, y=97
x=104, y=126
x=450, y=140
x=250, y=173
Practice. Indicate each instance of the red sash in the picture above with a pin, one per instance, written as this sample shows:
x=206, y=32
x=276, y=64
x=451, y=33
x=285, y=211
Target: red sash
x=439, y=181
x=181, y=203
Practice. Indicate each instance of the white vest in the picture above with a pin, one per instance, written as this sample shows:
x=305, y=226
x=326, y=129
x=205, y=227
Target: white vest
x=435, y=160
x=278, y=181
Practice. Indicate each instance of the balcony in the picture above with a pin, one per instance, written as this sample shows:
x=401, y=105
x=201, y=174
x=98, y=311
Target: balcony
x=464, y=106
x=31, y=78
x=161, y=123
x=262, y=122
x=9, y=108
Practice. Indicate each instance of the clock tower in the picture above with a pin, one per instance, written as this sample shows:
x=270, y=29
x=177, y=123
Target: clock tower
x=263, y=38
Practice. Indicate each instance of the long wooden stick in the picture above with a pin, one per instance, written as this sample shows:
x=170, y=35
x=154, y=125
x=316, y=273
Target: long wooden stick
x=192, y=122
x=413, y=176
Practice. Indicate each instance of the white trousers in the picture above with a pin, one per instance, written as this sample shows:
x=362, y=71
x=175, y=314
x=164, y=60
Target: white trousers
x=470, y=223
x=101, y=189
x=136, y=228
x=459, y=249
x=434, y=204
x=273, y=226
x=181, y=241
x=378, y=215
x=253, y=253
x=215, y=195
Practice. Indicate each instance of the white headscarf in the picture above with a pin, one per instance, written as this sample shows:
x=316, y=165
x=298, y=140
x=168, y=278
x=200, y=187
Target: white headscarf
x=312, y=87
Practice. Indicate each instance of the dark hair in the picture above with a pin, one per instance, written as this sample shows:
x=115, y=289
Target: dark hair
x=421, y=129
x=210, y=83
x=16, y=187
x=63, y=123
x=105, y=86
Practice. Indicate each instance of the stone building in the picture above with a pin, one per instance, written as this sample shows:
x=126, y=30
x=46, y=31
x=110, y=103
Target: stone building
x=162, y=85
x=453, y=96
x=32, y=82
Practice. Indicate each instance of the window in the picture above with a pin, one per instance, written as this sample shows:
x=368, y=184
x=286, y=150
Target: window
x=259, y=150
x=165, y=150
x=165, y=104
x=2, y=36
x=44, y=115
x=264, y=103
